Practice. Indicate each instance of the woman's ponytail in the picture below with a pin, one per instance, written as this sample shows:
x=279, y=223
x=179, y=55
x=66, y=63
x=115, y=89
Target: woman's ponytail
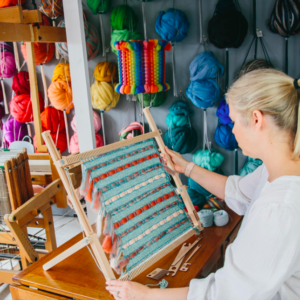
x=296, y=153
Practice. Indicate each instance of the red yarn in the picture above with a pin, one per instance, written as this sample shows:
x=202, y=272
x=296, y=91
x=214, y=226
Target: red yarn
x=52, y=119
x=21, y=107
x=21, y=84
x=6, y=3
x=61, y=143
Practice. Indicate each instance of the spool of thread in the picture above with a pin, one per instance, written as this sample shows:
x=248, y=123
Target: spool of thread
x=172, y=25
x=20, y=84
x=97, y=122
x=104, y=96
x=223, y=112
x=155, y=100
x=221, y=218
x=132, y=130
x=105, y=72
x=228, y=27
x=7, y=3
x=225, y=138
x=206, y=217
x=62, y=73
x=123, y=17
x=13, y=131
x=123, y=35
x=21, y=107
x=60, y=95
x=208, y=159
x=74, y=146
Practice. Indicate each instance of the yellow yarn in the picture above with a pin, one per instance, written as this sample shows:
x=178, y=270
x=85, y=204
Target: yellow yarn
x=103, y=70
x=62, y=72
x=101, y=93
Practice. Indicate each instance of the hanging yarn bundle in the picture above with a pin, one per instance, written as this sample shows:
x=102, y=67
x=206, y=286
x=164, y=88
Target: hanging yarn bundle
x=7, y=3
x=97, y=122
x=20, y=84
x=52, y=8
x=180, y=137
x=21, y=107
x=91, y=39
x=225, y=138
x=205, y=70
x=132, y=130
x=228, y=27
x=13, y=131
x=251, y=164
x=223, y=112
x=285, y=20
x=153, y=100
x=208, y=159
x=123, y=35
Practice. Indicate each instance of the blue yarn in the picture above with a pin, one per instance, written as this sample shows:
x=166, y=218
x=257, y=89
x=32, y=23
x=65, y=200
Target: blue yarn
x=251, y=164
x=203, y=93
x=177, y=121
x=180, y=107
x=206, y=217
x=208, y=159
x=197, y=198
x=221, y=218
x=223, y=112
x=224, y=136
x=172, y=25
x=204, y=66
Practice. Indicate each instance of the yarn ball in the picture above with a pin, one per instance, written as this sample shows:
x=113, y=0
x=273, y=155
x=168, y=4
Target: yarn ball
x=2, y=113
x=7, y=64
x=203, y=93
x=180, y=107
x=91, y=38
x=181, y=139
x=285, y=18
x=52, y=119
x=208, y=159
x=225, y=138
x=123, y=35
x=6, y=3
x=157, y=99
x=99, y=6
x=223, y=112
x=123, y=17
x=21, y=107
x=207, y=217
x=59, y=138
x=174, y=121
x=62, y=72
x=52, y=8
x=221, y=218
x=172, y=25
x=104, y=96
x=197, y=199
x=13, y=131
x=97, y=122
x=251, y=164
x=228, y=27
x=74, y=146
x=105, y=71
x=60, y=95
x=20, y=84
x=132, y=130
x=205, y=65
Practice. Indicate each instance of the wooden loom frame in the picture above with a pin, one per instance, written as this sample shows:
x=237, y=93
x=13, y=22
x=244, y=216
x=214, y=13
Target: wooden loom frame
x=91, y=237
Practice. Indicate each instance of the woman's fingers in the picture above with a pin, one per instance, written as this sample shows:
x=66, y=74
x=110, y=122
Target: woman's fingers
x=115, y=283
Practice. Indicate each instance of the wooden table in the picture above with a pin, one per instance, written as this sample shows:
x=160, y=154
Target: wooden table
x=78, y=276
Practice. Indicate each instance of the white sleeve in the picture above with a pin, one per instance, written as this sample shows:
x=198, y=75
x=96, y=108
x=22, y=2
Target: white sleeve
x=239, y=190
x=261, y=258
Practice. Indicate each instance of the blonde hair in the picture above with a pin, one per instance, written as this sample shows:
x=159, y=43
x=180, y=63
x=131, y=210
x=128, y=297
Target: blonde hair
x=273, y=93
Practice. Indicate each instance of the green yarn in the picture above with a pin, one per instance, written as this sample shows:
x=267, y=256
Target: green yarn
x=99, y=6
x=157, y=99
x=123, y=17
x=209, y=160
x=123, y=35
x=174, y=121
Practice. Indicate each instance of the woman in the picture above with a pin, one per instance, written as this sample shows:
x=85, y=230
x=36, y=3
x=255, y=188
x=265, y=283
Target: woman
x=264, y=260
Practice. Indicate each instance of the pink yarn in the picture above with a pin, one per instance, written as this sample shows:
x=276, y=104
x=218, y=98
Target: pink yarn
x=13, y=131
x=1, y=116
x=132, y=126
x=7, y=65
x=74, y=147
x=97, y=122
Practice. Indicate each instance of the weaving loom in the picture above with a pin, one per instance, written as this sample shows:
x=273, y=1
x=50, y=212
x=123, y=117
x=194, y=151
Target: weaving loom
x=142, y=213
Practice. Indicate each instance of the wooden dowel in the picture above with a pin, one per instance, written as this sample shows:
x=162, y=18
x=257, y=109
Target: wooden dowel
x=56, y=46
x=6, y=110
x=16, y=54
x=21, y=172
x=10, y=185
x=27, y=175
x=16, y=181
x=67, y=130
x=45, y=86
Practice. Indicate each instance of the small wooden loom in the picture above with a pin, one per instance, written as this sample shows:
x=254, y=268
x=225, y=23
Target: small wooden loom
x=65, y=163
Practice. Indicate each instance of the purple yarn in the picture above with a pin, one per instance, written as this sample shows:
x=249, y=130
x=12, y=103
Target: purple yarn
x=1, y=116
x=13, y=131
x=223, y=112
x=7, y=64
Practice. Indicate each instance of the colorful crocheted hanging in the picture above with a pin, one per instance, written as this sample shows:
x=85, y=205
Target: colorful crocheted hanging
x=139, y=207
x=142, y=66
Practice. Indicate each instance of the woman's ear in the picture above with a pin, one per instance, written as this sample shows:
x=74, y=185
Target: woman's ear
x=257, y=119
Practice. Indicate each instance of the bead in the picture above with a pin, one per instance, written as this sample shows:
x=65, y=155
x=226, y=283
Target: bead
x=154, y=227
x=116, y=225
x=149, y=157
x=166, y=196
x=153, y=203
x=160, y=199
x=163, y=175
x=127, y=165
x=122, y=194
x=169, y=218
x=148, y=231
x=157, y=177
x=137, y=187
x=144, y=183
x=172, y=194
x=112, y=172
x=155, y=155
x=140, y=237
x=131, y=216
x=103, y=176
x=139, y=211
x=142, y=160
x=130, y=191
x=123, y=221
x=146, y=207
x=114, y=198
x=131, y=242
x=120, y=169
x=135, y=162
x=162, y=222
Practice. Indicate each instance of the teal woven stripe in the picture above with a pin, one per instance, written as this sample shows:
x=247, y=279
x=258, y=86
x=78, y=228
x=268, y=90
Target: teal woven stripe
x=114, y=205
x=119, y=152
x=112, y=166
x=124, y=200
x=153, y=221
x=132, y=208
x=125, y=173
x=165, y=240
x=152, y=235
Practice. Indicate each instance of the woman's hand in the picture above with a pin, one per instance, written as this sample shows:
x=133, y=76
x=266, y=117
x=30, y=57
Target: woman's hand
x=128, y=290
x=179, y=162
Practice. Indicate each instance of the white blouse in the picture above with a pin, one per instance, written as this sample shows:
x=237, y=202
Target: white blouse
x=264, y=260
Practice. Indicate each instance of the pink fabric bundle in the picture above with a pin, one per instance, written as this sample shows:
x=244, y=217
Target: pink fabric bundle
x=97, y=122
x=74, y=147
x=13, y=131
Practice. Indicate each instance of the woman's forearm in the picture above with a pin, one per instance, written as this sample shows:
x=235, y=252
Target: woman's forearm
x=169, y=294
x=211, y=181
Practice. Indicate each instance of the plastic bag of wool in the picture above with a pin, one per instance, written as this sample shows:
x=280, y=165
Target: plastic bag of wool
x=139, y=208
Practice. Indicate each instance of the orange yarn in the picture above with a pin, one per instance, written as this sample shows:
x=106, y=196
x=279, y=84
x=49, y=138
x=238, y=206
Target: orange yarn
x=62, y=72
x=60, y=95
